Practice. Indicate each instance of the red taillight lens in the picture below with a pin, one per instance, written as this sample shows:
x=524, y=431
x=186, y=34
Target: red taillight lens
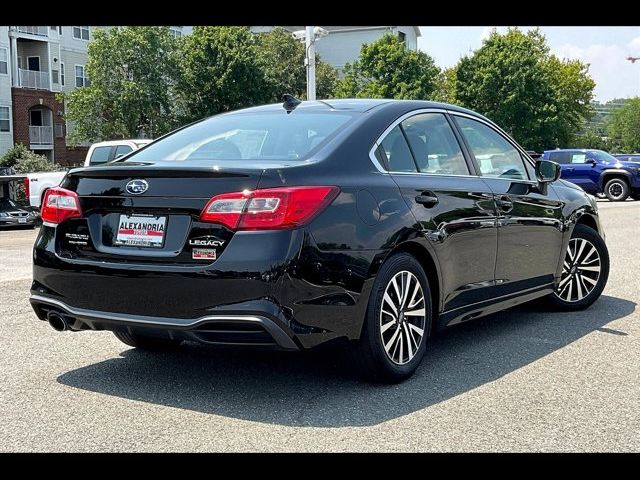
x=25, y=183
x=60, y=204
x=269, y=208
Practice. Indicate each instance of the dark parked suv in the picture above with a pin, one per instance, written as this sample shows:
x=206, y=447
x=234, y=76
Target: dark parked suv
x=596, y=171
x=288, y=226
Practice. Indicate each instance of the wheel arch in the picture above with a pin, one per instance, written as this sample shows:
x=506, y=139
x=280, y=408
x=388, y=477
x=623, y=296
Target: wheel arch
x=614, y=173
x=588, y=220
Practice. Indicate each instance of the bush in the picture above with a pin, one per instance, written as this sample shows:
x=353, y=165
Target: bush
x=24, y=160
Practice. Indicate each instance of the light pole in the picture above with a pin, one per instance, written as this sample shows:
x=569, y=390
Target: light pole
x=310, y=35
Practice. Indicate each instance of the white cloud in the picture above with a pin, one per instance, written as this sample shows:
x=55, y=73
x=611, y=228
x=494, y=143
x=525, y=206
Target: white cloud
x=614, y=75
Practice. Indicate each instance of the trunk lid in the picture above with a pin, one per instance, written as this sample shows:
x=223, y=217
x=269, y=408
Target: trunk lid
x=149, y=213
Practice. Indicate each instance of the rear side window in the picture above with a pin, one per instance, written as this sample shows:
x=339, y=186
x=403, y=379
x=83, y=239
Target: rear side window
x=434, y=145
x=495, y=156
x=100, y=155
x=560, y=157
x=250, y=137
x=122, y=150
x=399, y=158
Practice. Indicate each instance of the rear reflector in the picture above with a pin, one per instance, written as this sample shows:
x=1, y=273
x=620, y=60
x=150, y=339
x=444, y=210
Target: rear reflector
x=27, y=192
x=269, y=208
x=60, y=204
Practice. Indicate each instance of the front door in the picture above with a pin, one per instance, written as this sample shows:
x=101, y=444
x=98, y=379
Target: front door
x=582, y=172
x=33, y=63
x=529, y=221
x=453, y=208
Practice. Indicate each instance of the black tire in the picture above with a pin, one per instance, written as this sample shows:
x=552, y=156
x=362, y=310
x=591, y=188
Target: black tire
x=371, y=358
x=635, y=196
x=617, y=189
x=144, y=342
x=591, y=236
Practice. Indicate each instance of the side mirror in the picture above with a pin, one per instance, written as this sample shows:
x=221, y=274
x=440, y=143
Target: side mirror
x=547, y=171
x=591, y=161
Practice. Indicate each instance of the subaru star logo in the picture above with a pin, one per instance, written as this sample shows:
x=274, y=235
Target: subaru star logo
x=136, y=187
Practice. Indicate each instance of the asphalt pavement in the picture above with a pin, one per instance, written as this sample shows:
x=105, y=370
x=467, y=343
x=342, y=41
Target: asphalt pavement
x=526, y=379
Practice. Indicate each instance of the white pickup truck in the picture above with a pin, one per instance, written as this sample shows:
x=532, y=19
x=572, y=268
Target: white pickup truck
x=36, y=184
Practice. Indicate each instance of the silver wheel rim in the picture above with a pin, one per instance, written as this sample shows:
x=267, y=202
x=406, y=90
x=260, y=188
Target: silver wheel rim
x=580, y=271
x=615, y=190
x=402, y=318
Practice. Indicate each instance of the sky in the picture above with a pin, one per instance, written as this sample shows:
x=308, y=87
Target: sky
x=604, y=48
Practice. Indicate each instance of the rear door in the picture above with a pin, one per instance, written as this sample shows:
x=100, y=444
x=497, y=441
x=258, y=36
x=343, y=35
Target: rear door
x=453, y=207
x=529, y=221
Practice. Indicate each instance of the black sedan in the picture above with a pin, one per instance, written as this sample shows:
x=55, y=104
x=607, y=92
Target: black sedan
x=290, y=225
x=13, y=215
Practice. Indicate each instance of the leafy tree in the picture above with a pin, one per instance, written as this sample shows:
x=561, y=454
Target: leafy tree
x=387, y=69
x=445, y=90
x=220, y=71
x=282, y=60
x=624, y=126
x=131, y=72
x=514, y=80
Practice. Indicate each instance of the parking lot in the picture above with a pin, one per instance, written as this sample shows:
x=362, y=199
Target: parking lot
x=522, y=380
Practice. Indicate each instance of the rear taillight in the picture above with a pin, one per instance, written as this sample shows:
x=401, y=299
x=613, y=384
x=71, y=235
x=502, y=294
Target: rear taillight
x=25, y=183
x=269, y=208
x=60, y=204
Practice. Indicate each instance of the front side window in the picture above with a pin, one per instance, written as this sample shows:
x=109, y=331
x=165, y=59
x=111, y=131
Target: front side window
x=399, y=158
x=81, y=33
x=5, y=124
x=81, y=76
x=578, y=157
x=100, y=155
x=495, y=156
x=434, y=145
x=248, y=137
x=4, y=61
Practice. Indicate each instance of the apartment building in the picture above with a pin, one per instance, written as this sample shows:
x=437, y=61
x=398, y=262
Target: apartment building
x=343, y=44
x=36, y=63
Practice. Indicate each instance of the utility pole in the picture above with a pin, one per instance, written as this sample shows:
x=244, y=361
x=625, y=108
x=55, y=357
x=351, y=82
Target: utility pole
x=309, y=36
x=310, y=60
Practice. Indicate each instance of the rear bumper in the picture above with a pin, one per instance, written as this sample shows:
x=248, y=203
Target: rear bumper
x=236, y=330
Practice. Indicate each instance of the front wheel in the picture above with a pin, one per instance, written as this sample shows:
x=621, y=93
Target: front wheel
x=397, y=322
x=616, y=190
x=585, y=270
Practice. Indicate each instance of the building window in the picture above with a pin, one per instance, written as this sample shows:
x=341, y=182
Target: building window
x=61, y=73
x=59, y=30
x=5, y=121
x=81, y=33
x=175, y=32
x=55, y=76
x=81, y=76
x=402, y=36
x=4, y=61
x=59, y=130
x=53, y=28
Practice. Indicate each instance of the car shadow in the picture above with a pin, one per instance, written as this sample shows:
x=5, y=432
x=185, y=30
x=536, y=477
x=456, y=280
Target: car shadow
x=316, y=389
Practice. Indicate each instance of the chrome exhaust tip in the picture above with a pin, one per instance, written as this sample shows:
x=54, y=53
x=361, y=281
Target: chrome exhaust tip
x=57, y=322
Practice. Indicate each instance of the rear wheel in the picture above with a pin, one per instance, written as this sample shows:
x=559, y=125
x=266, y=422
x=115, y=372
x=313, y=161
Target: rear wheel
x=397, y=323
x=616, y=190
x=145, y=342
x=585, y=270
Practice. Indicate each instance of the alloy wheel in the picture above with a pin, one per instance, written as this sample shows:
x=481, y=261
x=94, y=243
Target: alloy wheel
x=402, y=317
x=616, y=190
x=580, y=271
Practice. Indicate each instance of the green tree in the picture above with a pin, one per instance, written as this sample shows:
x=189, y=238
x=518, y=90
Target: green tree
x=624, y=126
x=24, y=160
x=220, y=71
x=387, y=69
x=282, y=59
x=514, y=80
x=131, y=72
x=445, y=90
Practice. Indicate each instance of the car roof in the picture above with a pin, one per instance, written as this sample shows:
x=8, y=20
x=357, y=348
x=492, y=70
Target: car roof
x=574, y=150
x=356, y=105
x=121, y=141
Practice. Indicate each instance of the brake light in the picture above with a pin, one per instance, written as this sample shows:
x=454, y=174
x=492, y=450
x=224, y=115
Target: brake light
x=25, y=183
x=60, y=204
x=269, y=208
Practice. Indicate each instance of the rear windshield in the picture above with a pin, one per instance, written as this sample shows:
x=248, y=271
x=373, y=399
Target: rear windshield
x=266, y=136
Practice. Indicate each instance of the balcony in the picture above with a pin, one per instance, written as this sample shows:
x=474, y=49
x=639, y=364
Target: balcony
x=33, y=79
x=40, y=31
x=40, y=135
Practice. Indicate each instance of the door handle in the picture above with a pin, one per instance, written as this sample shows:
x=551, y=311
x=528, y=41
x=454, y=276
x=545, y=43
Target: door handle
x=504, y=203
x=570, y=169
x=427, y=200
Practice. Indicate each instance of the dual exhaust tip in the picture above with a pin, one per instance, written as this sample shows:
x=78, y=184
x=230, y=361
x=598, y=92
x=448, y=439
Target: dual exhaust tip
x=58, y=322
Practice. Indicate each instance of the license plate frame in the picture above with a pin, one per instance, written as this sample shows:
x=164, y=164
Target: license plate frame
x=133, y=231
x=22, y=220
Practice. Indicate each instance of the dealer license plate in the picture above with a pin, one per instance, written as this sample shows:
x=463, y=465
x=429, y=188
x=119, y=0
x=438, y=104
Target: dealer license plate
x=22, y=220
x=141, y=231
